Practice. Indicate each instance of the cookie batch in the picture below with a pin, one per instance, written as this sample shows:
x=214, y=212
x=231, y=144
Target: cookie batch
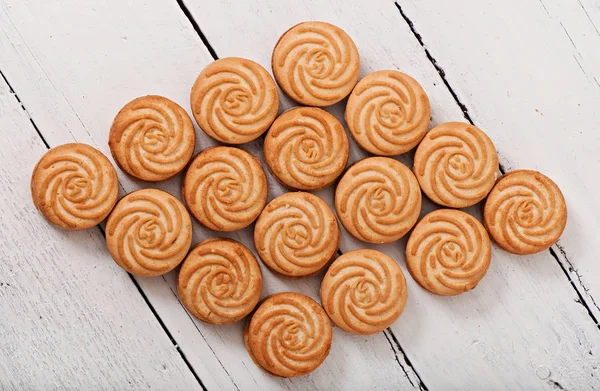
x=377, y=199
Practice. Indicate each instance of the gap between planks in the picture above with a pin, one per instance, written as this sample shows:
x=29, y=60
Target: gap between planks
x=565, y=265
x=393, y=345
x=141, y=292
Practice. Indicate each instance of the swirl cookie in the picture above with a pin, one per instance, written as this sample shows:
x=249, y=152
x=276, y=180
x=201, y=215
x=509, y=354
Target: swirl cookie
x=378, y=200
x=316, y=63
x=306, y=148
x=220, y=281
x=448, y=252
x=525, y=212
x=225, y=188
x=364, y=292
x=149, y=232
x=289, y=335
x=456, y=165
x=234, y=100
x=152, y=138
x=296, y=234
x=74, y=186
x=388, y=113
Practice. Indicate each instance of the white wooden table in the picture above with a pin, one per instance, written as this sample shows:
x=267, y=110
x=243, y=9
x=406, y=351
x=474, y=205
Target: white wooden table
x=525, y=71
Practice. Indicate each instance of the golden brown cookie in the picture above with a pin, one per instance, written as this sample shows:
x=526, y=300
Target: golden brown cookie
x=296, y=234
x=149, y=232
x=364, y=292
x=152, y=138
x=378, y=200
x=225, y=188
x=220, y=281
x=525, y=212
x=316, y=63
x=388, y=113
x=306, y=148
x=234, y=100
x=289, y=335
x=448, y=252
x=74, y=186
x=456, y=165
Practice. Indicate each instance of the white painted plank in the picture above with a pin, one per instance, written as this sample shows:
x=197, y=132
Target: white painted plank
x=532, y=79
x=69, y=317
x=74, y=78
x=521, y=328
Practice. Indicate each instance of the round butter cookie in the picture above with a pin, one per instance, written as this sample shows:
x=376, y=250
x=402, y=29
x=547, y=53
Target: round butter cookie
x=74, y=186
x=234, y=100
x=149, y=232
x=456, y=165
x=296, y=234
x=378, y=200
x=364, y=292
x=289, y=335
x=525, y=212
x=388, y=113
x=152, y=138
x=316, y=63
x=448, y=252
x=306, y=148
x=220, y=281
x=225, y=188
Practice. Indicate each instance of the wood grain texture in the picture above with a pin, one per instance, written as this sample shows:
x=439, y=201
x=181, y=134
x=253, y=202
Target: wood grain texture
x=532, y=81
x=74, y=78
x=522, y=326
x=70, y=318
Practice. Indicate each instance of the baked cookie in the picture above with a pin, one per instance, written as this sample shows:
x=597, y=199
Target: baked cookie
x=448, y=252
x=74, y=186
x=306, y=148
x=525, y=212
x=220, y=281
x=364, y=292
x=152, y=138
x=388, y=113
x=378, y=200
x=315, y=63
x=296, y=234
x=225, y=188
x=234, y=100
x=289, y=335
x=456, y=165
x=149, y=232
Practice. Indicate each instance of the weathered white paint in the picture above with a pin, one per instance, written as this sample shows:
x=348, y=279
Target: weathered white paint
x=69, y=318
x=521, y=328
x=74, y=77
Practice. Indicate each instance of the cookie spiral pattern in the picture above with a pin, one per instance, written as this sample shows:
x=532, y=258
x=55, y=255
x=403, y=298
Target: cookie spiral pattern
x=388, y=113
x=225, y=188
x=378, y=200
x=74, y=186
x=306, y=148
x=364, y=292
x=289, y=335
x=149, y=232
x=220, y=281
x=448, y=252
x=316, y=63
x=152, y=138
x=234, y=100
x=525, y=212
x=297, y=234
x=456, y=164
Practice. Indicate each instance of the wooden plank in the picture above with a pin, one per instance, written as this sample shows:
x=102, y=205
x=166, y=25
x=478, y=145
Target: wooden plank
x=521, y=328
x=69, y=317
x=538, y=102
x=74, y=78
